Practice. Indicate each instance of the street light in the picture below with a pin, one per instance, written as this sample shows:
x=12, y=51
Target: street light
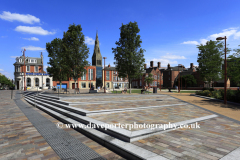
x=104, y=75
x=225, y=62
x=179, y=78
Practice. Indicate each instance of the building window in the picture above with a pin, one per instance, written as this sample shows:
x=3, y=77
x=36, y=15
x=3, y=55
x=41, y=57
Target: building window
x=36, y=68
x=20, y=60
x=47, y=82
x=18, y=69
x=28, y=68
x=90, y=74
x=107, y=74
x=107, y=85
x=83, y=84
x=36, y=82
x=116, y=72
x=32, y=61
x=155, y=83
x=28, y=82
x=114, y=78
x=91, y=85
x=83, y=76
x=140, y=83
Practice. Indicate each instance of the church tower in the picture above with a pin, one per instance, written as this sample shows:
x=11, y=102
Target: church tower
x=97, y=57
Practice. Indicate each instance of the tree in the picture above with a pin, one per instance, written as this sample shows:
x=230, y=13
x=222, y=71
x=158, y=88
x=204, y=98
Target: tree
x=128, y=54
x=149, y=79
x=57, y=61
x=233, y=67
x=76, y=51
x=210, y=60
x=188, y=80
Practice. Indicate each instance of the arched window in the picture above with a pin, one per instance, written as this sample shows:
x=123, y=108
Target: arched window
x=47, y=82
x=28, y=82
x=36, y=82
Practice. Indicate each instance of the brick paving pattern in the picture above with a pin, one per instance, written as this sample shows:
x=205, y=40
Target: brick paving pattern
x=162, y=115
x=18, y=137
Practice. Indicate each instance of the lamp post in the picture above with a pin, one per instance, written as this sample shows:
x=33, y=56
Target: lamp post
x=24, y=68
x=225, y=66
x=104, y=75
x=178, y=80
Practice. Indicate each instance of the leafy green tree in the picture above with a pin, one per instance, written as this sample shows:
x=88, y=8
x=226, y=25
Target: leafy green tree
x=188, y=80
x=57, y=60
x=210, y=60
x=128, y=54
x=76, y=51
x=233, y=67
x=149, y=79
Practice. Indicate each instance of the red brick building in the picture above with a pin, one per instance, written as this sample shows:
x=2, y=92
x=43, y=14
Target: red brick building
x=157, y=73
x=82, y=82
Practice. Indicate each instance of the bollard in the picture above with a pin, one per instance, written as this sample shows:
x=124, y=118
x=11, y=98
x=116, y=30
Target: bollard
x=11, y=94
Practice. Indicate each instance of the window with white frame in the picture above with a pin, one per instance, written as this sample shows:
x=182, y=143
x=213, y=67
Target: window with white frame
x=155, y=77
x=32, y=61
x=28, y=68
x=155, y=83
x=83, y=76
x=107, y=75
x=36, y=68
x=20, y=60
x=18, y=69
x=114, y=78
x=90, y=74
x=83, y=84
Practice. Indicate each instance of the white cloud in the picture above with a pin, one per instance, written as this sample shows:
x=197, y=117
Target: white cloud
x=190, y=42
x=1, y=70
x=33, y=30
x=33, y=48
x=89, y=40
x=32, y=39
x=203, y=41
x=164, y=62
x=230, y=32
x=25, y=18
x=226, y=32
x=14, y=56
x=169, y=56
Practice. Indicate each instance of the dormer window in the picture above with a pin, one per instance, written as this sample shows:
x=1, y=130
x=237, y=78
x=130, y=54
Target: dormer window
x=32, y=61
x=19, y=60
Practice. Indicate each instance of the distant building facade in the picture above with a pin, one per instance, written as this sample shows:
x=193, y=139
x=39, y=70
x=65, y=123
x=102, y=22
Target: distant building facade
x=35, y=75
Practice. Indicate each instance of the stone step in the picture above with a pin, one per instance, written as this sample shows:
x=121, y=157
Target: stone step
x=122, y=134
x=125, y=149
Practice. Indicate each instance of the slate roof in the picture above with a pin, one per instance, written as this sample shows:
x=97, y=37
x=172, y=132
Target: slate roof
x=39, y=61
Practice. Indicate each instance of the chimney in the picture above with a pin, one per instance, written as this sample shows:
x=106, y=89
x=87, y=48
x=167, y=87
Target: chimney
x=168, y=66
x=159, y=64
x=191, y=65
x=145, y=66
x=151, y=64
x=109, y=65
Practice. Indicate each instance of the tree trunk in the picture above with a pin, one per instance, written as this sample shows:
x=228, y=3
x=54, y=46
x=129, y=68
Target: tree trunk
x=60, y=85
x=75, y=87
x=129, y=86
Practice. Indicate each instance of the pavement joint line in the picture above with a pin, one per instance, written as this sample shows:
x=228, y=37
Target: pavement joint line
x=234, y=155
x=87, y=113
x=120, y=133
x=102, y=102
x=108, y=141
x=220, y=115
x=55, y=132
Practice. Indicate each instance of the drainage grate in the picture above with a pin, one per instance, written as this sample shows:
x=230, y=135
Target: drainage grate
x=66, y=146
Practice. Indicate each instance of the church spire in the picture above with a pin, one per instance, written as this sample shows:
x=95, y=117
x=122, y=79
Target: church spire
x=97, y=57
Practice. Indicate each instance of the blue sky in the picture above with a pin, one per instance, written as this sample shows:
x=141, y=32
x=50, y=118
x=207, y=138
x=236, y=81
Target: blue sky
x=170, y=30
